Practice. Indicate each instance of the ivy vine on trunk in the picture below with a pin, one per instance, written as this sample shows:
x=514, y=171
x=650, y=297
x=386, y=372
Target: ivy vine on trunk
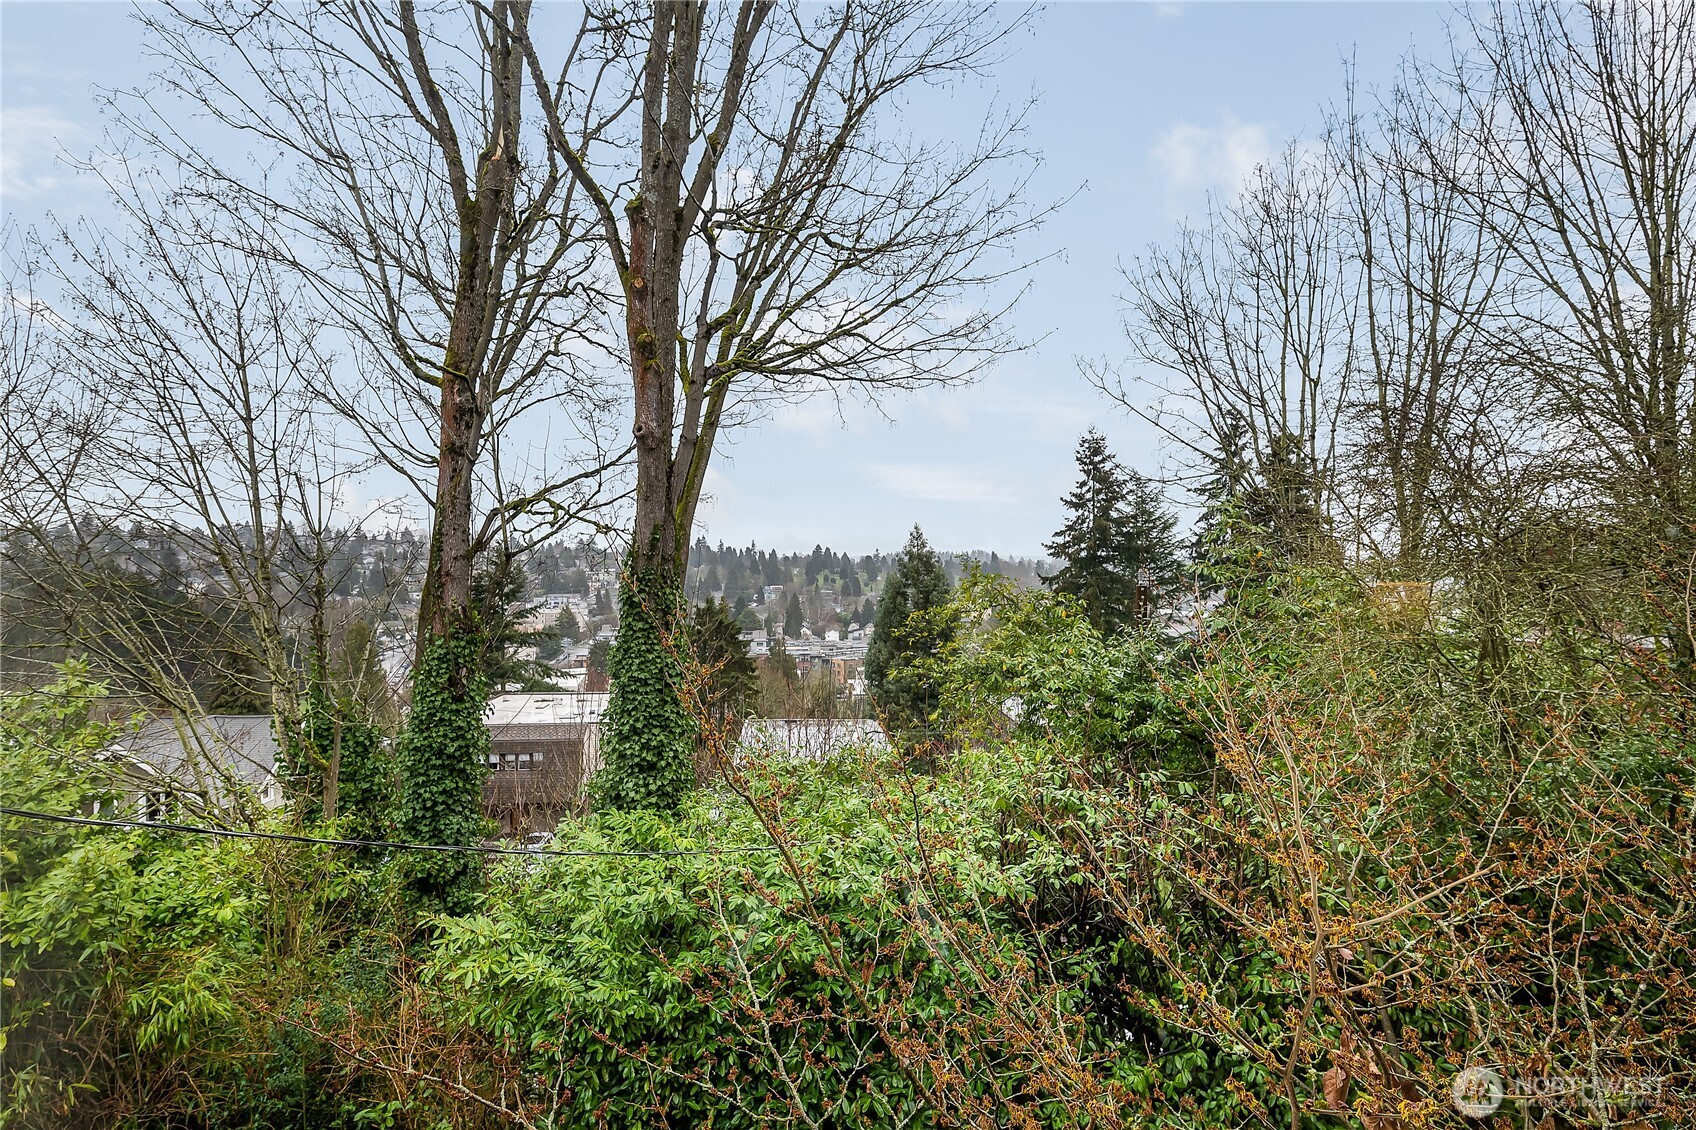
x=649, y=736
x=443, y=755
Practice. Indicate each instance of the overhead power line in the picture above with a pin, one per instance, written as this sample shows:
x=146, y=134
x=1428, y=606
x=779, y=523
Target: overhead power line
x=238, y=834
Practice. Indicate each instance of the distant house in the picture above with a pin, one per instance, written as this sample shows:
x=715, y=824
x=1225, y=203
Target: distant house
x=812, y=739
x=543, y=748
x=200, y=763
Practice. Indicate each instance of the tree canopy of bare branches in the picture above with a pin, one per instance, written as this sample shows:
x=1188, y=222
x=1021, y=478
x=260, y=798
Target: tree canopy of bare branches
x=425, y=215
x=766, y=234
x=1467, y=311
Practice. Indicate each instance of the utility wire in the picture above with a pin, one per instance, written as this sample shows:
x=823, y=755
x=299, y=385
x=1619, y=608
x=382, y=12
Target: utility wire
x=232, y=833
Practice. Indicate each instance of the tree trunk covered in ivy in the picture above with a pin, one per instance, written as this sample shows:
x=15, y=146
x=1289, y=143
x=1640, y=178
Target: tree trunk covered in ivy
x=770, y=243
x=332, y=758
x=443, y=751
x=443, y=754
x=649, y=740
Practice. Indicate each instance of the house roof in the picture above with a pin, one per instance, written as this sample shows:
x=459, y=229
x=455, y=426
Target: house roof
x=812, y=737
x=546, y=708
x=244, y=744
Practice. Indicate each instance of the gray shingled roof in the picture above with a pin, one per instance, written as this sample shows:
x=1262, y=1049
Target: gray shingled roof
x=244, y=744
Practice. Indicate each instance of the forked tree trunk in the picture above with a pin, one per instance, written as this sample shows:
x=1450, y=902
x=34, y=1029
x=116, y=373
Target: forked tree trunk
x=443, y=753
x=650, y=739
x=769, y=271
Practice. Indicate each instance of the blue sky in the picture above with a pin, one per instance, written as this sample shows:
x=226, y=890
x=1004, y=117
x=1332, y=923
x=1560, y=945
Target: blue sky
x=1142, y=109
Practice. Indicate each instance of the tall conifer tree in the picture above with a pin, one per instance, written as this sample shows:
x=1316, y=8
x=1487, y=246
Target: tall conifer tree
x=908, y=628
x=1119, y=538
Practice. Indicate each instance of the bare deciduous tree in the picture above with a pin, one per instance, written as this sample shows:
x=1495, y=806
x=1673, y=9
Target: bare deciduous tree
x=436, y=234
x=1583, y=119
x=418, y=204
x=771, y=236
x=175, y=511
x=1251, y=323
x=1428, y=279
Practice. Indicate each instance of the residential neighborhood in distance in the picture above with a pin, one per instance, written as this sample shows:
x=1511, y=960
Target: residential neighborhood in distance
x=809, y=613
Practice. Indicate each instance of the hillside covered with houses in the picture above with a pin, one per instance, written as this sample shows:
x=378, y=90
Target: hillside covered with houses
x=420, y=709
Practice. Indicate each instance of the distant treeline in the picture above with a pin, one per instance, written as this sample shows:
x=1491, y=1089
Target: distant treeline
x=742, y=573
x=154, y=604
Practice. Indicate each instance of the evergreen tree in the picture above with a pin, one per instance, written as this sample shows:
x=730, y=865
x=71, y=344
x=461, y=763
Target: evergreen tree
x=735, y=580
x=1222, y=497
x=567, y=626
x=910, y=627
x=1119, y=539
x=359, y=671
x=599, y=653
x=730, y=677
x=793, y=620
x=1151, y=553
x=1284, y=501
x=781, y=662
x=1270, y=507
x=500, y=596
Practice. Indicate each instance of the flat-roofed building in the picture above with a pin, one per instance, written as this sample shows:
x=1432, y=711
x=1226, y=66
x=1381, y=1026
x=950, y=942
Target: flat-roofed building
x=544, y=746
x=811, y=739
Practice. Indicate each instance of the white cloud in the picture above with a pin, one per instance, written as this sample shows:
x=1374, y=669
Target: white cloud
x=1044, y=416
x=719, y=502
x=1192, y=158
x=943, y=482
x=1168, y=11
x=31, y=138
x=56, y=71
x=809, y=415
x=821, y=412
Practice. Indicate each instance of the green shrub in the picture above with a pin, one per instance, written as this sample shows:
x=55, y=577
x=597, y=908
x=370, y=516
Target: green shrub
x=153, y=978
x=1301, y=860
